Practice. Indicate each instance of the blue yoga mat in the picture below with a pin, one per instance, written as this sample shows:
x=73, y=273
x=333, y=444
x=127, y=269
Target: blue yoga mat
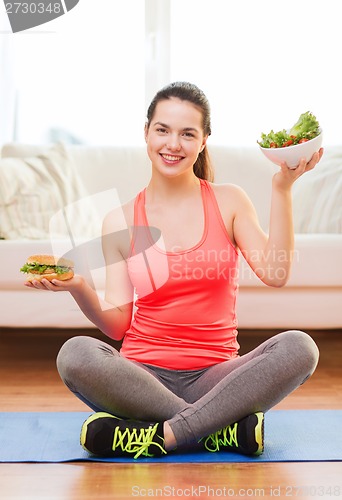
x=290, y=436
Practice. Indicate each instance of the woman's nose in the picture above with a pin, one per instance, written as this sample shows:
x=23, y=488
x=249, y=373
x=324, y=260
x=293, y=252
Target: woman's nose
x=173, y=143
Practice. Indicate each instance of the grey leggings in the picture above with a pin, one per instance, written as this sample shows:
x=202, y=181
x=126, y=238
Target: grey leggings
x=195, y=403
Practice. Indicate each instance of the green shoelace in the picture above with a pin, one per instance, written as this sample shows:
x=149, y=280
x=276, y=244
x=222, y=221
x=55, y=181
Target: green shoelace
x=136, y=441
x=223, y=437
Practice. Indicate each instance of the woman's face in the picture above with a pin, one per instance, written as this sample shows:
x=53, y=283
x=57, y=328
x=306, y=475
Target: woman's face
x=175, y=136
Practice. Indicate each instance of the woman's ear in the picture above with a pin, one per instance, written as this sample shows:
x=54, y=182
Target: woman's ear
x=204, y=143
x=146, y=131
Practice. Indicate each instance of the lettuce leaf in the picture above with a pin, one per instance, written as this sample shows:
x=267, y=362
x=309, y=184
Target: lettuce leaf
x=36, y=268
x=306, y=128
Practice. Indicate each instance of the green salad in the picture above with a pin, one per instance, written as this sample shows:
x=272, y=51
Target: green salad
x=305, y=129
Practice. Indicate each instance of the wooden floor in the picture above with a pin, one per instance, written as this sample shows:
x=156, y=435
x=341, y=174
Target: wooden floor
x=29, y=382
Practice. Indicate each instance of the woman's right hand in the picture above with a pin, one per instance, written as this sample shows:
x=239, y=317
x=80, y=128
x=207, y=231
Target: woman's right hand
x=74, y=284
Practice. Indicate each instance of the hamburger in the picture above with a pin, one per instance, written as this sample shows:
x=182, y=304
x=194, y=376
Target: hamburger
x=48, y=267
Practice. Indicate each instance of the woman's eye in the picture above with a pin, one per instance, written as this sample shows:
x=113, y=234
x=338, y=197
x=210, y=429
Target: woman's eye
x=188, y=134
x=161, y=130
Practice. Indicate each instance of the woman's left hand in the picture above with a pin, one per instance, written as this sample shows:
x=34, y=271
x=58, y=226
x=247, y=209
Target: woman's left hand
x=287, y=176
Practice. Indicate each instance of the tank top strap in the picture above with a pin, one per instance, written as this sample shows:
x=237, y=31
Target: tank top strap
x=139, y=224
x=214, y=218
x=139, y=203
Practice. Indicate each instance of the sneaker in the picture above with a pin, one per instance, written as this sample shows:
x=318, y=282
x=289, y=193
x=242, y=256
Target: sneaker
x=106, y=435
x=245, y=436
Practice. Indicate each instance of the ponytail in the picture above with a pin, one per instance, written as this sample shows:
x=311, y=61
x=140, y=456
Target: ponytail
x=203, y=168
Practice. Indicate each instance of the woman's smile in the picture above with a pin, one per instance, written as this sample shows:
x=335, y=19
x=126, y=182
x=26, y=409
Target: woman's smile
x=171, y=159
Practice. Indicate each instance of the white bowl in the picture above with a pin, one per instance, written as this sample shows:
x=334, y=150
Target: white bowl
x=293, y=154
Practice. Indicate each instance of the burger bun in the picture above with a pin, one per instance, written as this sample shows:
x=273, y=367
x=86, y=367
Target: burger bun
x=51, y=276
x=50, y=260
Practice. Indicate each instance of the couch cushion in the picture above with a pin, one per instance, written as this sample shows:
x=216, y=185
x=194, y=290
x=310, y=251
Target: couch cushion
x=35, y=189
x=317, y=197
x=126, y=170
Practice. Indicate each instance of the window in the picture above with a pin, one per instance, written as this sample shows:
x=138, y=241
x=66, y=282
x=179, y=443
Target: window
x=261, y=63
x=86, y=76
x=85, y=81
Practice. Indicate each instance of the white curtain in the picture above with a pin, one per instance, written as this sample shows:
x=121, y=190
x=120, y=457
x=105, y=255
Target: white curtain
x=157, y=47
x=7, y=85
x=79, y=78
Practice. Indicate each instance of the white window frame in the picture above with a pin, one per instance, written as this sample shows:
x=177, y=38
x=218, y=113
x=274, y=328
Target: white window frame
x=157, y=47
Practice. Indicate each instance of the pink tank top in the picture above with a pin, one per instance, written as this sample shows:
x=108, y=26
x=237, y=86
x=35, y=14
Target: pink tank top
x=184, y=315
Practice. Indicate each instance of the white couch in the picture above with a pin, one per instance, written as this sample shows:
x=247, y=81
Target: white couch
x=310, y=300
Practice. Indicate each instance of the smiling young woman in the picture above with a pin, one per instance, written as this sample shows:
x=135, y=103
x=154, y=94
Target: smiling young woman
x=178, y=380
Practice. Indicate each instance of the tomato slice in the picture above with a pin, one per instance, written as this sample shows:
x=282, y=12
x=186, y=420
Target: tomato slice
x=288, y=143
